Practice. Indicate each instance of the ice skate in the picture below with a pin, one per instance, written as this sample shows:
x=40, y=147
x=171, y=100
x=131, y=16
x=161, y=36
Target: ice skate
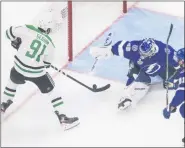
x=67, y=122
x=183, y=140
x=124, y=103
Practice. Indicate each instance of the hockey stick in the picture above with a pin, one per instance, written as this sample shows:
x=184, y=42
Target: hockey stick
x=167, y=65
x=96, y=60
x=107, y=43
x=93, y=89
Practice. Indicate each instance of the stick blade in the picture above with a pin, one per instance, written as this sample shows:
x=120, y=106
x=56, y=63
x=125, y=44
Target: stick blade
x=101, y=88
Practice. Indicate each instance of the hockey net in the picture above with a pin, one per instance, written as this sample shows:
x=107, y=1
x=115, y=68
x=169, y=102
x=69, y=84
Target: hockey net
x=78, y=23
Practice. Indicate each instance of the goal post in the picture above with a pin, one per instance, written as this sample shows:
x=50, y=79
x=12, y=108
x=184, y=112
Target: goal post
x=78, y=23
x=70, y=26
x=70, y=31
x=124, y=6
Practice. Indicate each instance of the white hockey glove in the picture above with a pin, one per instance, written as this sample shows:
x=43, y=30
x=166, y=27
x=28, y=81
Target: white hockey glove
x=101, y=52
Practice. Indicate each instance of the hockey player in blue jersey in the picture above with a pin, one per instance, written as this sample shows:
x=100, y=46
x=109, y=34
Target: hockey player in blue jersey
x=178, y=99
x=147, y=59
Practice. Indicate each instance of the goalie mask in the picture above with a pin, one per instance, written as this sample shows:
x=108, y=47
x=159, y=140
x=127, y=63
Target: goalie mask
x=148, y=48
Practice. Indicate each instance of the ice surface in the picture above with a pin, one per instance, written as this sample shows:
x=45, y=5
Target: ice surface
x=30, y=122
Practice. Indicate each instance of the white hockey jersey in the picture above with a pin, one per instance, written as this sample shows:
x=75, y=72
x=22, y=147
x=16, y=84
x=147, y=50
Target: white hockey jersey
x=35, y=51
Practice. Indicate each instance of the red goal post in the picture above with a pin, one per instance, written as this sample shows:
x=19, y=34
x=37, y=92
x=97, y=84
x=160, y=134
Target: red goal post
x=78, y=23
x=124, y=6
x=70, y=31
x=70, y=27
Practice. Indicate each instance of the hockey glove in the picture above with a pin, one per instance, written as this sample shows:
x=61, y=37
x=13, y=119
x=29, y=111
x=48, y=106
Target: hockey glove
x=101, y=52
x=47, y=64
x=16, y=43
x=167, y=113
x=171, y=85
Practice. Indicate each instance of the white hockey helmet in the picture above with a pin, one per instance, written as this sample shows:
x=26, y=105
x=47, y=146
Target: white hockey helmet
x=46, y=22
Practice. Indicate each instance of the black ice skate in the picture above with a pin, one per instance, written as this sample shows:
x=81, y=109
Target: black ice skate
x=67, y=122
x=5, y=105
x=124, y=103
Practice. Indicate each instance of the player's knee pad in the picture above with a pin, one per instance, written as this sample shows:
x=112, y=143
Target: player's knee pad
x=136, y=91
x=16, y=77
x=182, y=110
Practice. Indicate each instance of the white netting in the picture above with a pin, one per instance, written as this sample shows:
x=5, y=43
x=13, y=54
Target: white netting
x=58, y=10
x=58, y=13
x=89, y=20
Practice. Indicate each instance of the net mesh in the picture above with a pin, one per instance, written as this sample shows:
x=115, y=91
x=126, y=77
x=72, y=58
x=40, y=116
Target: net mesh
x=88, y=20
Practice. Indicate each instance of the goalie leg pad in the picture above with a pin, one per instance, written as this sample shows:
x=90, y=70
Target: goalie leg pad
x=134, y=93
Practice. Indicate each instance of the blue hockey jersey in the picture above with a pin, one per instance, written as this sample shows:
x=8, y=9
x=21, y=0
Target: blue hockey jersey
x=179, y=95
x=153, y=65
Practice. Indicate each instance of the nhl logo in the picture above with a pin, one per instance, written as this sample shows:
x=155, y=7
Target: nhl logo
x=139, y=62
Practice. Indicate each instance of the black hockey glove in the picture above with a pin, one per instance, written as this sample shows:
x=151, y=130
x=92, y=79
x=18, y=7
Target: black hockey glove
x=47, y=64
x=16, y=43
x=170, y=84
x=173, y=109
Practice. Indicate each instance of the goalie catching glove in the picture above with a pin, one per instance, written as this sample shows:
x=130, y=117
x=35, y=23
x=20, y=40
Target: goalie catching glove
x=101, y=52
x=171, y=84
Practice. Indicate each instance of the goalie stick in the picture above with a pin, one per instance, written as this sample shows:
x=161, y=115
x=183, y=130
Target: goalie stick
x=93, y=89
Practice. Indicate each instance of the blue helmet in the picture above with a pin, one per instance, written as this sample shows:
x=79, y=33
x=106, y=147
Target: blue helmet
x=180, y=54
x=148, y=47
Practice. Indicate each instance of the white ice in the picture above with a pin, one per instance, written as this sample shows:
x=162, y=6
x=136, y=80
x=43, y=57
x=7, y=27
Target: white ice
x=31, y=122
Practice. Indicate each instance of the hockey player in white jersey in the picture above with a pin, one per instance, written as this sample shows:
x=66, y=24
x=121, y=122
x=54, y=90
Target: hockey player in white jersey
x=35, y=51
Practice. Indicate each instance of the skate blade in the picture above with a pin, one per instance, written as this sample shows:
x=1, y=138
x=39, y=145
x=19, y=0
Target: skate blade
x=127, y=106
x=124, y=108
x=68, y=127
